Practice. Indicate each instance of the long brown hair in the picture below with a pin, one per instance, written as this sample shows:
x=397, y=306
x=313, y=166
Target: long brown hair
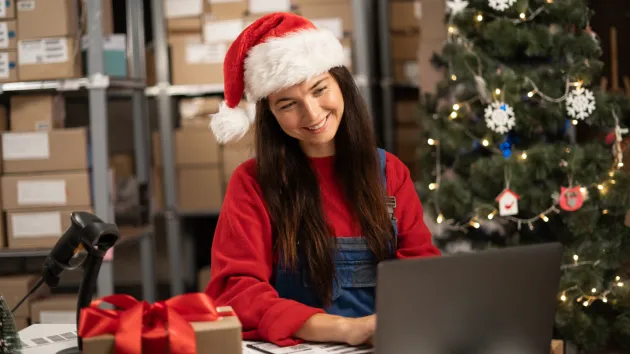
x=292, y=194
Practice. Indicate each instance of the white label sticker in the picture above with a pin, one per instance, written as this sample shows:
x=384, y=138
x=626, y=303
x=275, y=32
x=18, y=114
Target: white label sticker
x=43, y=51
x=267, y=6
x=3, y=9
x=417, y=9
x=37, y=224
x=52, y=192
x=116, y=42
x=183, y=8
x=25, y=146
x=26, y=5
x=411, y=71
x=222, y=31
x=205, y=53
x=4, y=35
x=334, y=25
x=57, y=317
x=5, y=66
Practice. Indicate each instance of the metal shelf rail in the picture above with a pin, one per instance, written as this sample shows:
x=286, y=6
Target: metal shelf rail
x=99, y=87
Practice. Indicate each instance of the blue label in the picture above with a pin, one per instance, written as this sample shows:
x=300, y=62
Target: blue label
x=11, y=34
x=11, y=65
x=8, y=3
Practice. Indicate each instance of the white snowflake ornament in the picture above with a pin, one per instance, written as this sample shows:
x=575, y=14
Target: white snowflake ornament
x=456, y=6
x=501, y=5
x=580, y=103
x=500, y=117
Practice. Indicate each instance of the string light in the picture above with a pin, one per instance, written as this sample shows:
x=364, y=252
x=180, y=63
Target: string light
x=522, y=16
x=440, y=218
x=431, y=142
x=433, y=186
x=497, y=91
x=574, y=122
x=453, y=115
x=455, y=107
x=524, y=155
x=454, y=77
x=479, y=18
x=544, y=217
x=531, y=94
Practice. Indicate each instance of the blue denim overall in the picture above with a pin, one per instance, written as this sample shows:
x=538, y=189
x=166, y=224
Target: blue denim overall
x=355, y=264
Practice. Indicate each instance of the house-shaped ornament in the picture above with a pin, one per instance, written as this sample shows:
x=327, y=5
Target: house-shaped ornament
x=508, y=202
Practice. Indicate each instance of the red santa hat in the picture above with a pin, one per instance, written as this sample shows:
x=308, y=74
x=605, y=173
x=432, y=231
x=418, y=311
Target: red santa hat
x=277, y=51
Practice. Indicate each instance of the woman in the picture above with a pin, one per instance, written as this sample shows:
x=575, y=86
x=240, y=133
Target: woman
x=303, y=224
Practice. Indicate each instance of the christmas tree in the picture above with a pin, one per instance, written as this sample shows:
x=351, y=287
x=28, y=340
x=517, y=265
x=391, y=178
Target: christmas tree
x=9, y=340
x=519, y=146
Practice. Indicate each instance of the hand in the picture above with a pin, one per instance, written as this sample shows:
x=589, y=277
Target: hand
x=358, y=331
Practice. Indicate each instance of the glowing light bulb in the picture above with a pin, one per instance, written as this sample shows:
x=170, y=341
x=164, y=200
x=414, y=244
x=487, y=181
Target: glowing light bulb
x=605, y=211
x=544, y=217
x=612, y=181
x=563, y=298
x=617, y=278
x=605, y=300
x=582, y=190
x=453, y=115
x=431, y=142
x=574, y=122
x=600, y=187
x=612, y=173
x=480, y=17
x=620, y=165
x=497, y=91
x=432, y=186
x=485, y=142
x=522, y=15
x=530, y=94
x=593, y=290
x=453, y=77
x=451, y=29
x=575, y=257
x=455, y=107
x=585, y=303
x=524, y=155
x=490, y=216
x=476, y=225
x=549, y=1
x=440, y=219
x=620, y=284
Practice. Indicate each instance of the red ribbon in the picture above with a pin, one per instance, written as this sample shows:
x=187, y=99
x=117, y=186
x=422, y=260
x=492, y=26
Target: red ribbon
x=140, y=327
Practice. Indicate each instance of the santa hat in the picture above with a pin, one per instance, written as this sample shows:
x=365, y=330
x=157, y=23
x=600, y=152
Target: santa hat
x=277, y=51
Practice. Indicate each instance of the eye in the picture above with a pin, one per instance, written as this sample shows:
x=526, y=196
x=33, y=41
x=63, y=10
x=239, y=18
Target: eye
x=319, y=91
x=286, y=106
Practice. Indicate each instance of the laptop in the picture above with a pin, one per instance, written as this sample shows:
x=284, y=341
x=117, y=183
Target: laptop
x=499, y=301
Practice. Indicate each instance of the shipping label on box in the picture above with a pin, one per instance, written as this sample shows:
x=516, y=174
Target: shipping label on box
x=183, y=8
x=205, y=53
x=7, y=9
x=37, y=224
x=43, y=51
x=269, y=6
x=41, y=192
x=8, y=67
x=215, y=31
x=48, y=190
x=8, y=39
x=25, y=146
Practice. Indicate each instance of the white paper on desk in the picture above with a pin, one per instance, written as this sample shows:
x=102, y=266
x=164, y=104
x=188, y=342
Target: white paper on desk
x=307, y=348
x=48, y=338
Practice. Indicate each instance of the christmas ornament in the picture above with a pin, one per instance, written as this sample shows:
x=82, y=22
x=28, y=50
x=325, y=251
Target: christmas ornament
x=501, y=5
x=500, y=117
x=571, y=199
x=456, y=6
x=580, y=103
x=508, y=202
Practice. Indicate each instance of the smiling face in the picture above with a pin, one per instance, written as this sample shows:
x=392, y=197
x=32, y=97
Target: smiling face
x=310, y=112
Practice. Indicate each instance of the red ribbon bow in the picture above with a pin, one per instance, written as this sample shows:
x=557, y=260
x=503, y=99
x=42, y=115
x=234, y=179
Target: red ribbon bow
x=150, y=328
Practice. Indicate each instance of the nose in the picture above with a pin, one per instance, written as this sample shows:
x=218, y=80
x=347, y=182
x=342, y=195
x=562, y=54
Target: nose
x=312, y=109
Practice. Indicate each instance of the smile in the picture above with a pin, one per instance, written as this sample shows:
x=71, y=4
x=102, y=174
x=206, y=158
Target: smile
x=319, y=126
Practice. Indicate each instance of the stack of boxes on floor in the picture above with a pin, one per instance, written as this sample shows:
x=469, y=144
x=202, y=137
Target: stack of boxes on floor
x=45, y=171
x=404, y=26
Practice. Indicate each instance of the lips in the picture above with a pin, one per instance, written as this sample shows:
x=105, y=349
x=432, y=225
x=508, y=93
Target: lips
x=319, y=125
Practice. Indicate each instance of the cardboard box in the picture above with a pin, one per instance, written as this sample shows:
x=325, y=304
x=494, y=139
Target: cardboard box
x=183, y=8
x=39, y=228
x=221, y=31
x=49, y=59
x=405, y=46
x=235, y=153
x=432, y=20
x=203, y=278
x=198, y=188
x=557, y=347
x=55, y=309
x=429, y=76
x=7, y=9
x=13, y=288
x=8, y=35
x=185, y=25
x=37, y=112
x=405, y=15
x=35, y=18
x=269, y=6
x=46, y=190
x=20, y=322
x=9, y=66
x=191, y=147
x=407, y=112
x=227, y=10
x=406, y=72
x=56, y=150
x=198, y=63
x=223, y=336
x=337, y=16
x=195, y=112
x=4, y=119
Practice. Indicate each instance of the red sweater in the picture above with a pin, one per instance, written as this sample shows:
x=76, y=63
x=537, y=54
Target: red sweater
x=242, y=248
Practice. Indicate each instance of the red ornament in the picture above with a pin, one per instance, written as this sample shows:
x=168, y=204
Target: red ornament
x=571, y=199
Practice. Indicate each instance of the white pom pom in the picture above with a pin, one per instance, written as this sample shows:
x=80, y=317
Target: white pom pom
x=230, y=124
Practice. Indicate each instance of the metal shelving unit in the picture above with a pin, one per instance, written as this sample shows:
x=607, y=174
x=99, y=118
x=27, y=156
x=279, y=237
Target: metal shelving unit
x=99, y=87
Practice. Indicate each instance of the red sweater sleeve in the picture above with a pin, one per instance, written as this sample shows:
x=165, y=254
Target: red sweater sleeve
x=242, y=265
x=414, y=237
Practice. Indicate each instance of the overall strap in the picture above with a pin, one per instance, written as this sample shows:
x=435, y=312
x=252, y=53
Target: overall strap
x=390, y=201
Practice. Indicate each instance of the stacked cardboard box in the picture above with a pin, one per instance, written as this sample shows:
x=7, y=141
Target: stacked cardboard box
x=432, y=39
x=203, y=166
x=45, y=171
x=8, y=42
x=405, y=41
x=13, y=288
x=54, y=309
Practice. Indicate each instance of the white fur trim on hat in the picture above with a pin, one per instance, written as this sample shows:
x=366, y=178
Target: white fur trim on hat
x=282, y=62
x=231, y=124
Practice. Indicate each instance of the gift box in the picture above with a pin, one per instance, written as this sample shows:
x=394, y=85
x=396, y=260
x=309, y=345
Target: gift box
x=185, y=324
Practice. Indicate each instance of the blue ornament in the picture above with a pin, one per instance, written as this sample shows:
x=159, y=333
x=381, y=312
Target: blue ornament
x=506, y=147
x=504, y=107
